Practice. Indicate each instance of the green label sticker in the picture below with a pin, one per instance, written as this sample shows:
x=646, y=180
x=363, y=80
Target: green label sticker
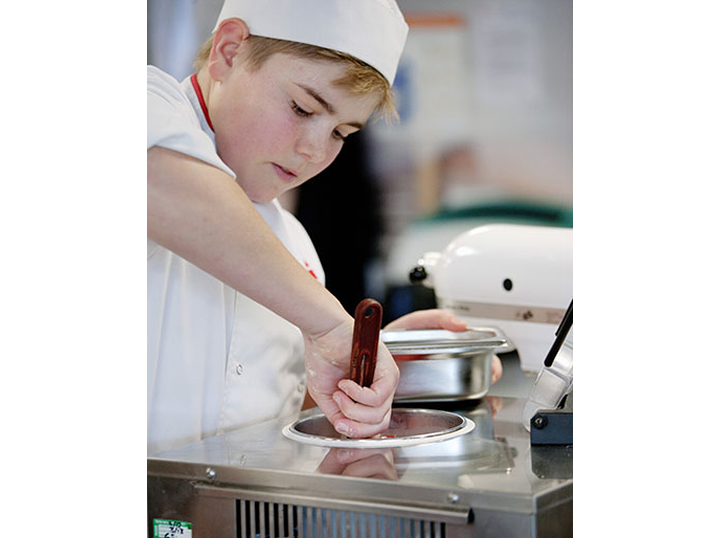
x=169, y=528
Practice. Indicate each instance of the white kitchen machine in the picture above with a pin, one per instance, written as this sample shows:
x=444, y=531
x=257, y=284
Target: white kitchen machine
x=515, y=277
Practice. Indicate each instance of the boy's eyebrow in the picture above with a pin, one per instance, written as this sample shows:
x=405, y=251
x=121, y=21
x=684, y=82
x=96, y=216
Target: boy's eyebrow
x=327, y=106
x=315, y=95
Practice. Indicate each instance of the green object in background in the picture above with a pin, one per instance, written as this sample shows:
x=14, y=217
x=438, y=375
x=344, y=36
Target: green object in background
x=511, y=211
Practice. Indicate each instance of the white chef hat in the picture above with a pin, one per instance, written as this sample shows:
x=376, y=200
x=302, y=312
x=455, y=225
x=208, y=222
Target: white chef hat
x=373, y=31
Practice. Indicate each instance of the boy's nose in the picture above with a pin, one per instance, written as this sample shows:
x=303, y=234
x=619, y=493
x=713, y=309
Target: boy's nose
x=312, y=147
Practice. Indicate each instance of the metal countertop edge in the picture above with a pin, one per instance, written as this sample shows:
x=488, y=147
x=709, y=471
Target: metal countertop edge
x=363, y=490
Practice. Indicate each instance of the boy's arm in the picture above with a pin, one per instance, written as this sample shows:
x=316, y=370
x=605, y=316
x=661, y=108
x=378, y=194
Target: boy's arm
x=200, y=213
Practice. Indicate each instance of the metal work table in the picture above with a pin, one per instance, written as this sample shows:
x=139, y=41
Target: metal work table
x=255, y=482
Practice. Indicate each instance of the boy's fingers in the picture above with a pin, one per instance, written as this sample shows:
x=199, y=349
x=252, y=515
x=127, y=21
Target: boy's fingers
x=426, y=319
x=360, y=430
x=359, y=412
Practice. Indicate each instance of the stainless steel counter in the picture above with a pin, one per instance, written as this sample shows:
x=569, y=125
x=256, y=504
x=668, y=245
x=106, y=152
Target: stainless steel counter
x=256, y=482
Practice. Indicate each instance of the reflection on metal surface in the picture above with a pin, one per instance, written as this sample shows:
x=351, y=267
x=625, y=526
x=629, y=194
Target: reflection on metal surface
x=552, y=461
x=408, y=427
x=360, y=463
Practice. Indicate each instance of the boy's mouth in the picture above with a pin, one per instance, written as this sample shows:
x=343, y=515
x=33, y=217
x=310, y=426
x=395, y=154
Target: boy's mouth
x=285, y=173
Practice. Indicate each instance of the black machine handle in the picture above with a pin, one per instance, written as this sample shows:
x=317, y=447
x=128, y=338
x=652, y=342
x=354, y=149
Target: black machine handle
x=560, y=335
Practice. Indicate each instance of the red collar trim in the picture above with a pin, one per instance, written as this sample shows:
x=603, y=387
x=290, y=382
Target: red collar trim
x=200, y=97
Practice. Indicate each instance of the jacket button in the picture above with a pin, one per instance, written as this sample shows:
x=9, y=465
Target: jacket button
x=239, y=369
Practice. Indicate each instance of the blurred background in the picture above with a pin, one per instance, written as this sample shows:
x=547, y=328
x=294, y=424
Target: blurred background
x=484, y=90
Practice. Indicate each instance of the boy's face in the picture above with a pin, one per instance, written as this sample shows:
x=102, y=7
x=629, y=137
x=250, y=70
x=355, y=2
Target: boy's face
x=282, y=124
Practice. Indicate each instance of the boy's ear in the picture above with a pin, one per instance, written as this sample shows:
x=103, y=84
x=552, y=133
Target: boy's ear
x=229, y=36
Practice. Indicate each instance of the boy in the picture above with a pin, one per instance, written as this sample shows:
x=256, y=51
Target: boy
x=235, y=294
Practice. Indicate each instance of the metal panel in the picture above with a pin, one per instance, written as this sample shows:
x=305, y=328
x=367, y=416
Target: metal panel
x=259, y=519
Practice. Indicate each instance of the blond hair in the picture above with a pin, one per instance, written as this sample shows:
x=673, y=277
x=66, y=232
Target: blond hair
x=360, y=78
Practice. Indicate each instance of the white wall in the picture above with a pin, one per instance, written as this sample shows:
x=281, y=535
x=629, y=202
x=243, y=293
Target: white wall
x=503, y=89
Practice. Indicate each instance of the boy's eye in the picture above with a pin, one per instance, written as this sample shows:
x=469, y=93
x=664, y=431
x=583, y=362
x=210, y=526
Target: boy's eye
x=299, y=111
x=305, y=113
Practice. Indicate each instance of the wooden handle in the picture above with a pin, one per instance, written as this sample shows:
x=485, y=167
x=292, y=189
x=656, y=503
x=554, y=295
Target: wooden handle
x=366, y=334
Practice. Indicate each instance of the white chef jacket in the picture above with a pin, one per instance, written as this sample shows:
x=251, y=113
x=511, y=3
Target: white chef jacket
x=216, y=359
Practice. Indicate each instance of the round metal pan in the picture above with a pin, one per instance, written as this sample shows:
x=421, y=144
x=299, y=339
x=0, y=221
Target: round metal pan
x=408, y=427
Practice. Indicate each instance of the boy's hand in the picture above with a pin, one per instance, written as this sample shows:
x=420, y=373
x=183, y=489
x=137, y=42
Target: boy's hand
x=365, y=411
x=428, y=319
x=353, y=410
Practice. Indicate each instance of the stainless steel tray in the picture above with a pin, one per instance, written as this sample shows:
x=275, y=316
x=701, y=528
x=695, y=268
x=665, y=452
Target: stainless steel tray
x=443, y=366
x=438, y=341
